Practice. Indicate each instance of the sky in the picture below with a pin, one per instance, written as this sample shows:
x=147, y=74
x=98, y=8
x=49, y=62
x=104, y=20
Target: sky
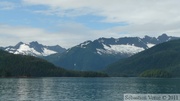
x=71, y=22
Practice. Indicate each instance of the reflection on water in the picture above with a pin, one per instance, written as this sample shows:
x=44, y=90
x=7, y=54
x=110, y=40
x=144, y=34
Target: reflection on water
x=82, y=89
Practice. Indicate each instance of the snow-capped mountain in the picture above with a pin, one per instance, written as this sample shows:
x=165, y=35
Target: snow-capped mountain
x=34, y=49
x=126, y=45
x=96, y=55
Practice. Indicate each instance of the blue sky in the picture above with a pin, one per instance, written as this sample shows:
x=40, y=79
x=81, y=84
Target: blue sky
x=70, y=22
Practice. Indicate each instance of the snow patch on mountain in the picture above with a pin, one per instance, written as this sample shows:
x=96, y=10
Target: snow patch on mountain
x=116, y=40
x=83, y=45
x=169, y=39
x=119, y=49
x=101, y=41
x=150, y=45
x=48, y=52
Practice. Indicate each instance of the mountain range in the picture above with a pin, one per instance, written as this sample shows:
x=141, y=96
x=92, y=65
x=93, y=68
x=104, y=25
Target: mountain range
x=159, y=61
x=34, y=49
x=96, y=55
x=89, y=55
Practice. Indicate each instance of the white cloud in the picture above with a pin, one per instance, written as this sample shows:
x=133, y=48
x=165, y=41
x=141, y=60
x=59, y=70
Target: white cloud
x=71, y=33
x=142, y=16
x=130, y=11
x=67, y=37
x=151, y=29
x=10, y=35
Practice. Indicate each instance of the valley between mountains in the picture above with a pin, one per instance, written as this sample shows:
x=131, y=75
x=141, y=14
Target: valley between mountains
x=125, y=56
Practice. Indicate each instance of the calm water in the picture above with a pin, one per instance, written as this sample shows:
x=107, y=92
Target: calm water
x=82, y=89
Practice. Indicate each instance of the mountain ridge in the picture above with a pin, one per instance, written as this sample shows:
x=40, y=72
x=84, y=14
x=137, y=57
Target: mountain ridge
x=96, y=55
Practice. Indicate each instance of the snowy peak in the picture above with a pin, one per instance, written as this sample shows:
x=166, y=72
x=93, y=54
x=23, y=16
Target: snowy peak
x=38, y=47
x=34, y=49
x=125, y=45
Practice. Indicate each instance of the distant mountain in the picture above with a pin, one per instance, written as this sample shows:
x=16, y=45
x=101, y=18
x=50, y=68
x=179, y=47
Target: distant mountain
x=96, y=55
x=161, y=60
x=12, y=65
x=34, y=49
